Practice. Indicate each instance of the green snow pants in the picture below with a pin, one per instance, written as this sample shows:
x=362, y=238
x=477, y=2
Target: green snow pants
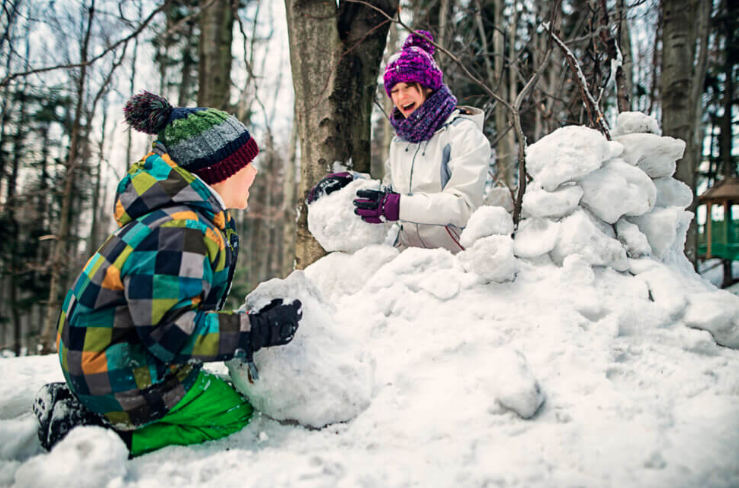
x=211, y=410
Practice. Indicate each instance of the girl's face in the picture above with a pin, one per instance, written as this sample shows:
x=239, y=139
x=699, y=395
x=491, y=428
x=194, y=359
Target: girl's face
x=235, y=190
x=407, y=97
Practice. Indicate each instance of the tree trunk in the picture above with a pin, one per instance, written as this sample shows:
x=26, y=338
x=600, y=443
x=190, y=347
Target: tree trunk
x=680, y=79
x=504, y=150
x=388, y=132
x=57, y=260
x=94, y=240
x=726, y=138
x=624, y=37
x=288, y=204
x=188, y=64
x=335, y=54
x=214, y=67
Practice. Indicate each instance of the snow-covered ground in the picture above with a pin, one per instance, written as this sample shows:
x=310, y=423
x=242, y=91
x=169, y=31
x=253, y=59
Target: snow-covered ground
x=592, y=360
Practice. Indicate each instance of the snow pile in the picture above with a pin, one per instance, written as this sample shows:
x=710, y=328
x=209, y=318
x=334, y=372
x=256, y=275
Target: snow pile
x=332, y=221
x=321, y=377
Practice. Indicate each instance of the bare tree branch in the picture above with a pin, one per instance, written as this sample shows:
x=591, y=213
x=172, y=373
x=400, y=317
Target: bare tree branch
x=111, y=48
x=591, y=106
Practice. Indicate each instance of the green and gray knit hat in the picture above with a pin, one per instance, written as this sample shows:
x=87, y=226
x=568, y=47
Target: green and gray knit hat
x=207, y=142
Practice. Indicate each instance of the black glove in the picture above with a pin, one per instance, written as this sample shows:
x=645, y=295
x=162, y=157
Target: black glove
x=275, y=324
x=329, y=184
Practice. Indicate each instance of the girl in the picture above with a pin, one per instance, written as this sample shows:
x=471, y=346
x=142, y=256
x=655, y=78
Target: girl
x=435, y=175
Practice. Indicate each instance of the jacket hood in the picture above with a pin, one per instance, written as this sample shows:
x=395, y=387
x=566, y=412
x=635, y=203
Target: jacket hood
x=475, y=114
x=157, y=182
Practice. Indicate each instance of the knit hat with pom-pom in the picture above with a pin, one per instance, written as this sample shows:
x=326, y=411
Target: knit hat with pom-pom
x=207, y=142
x=414, y=64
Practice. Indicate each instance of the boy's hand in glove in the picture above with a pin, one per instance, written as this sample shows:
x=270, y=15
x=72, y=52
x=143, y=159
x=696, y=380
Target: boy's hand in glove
x=329, y=184
x=373, y=204
x=275, y=324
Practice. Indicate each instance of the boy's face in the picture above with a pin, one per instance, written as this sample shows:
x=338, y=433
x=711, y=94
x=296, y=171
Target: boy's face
x=235, y=190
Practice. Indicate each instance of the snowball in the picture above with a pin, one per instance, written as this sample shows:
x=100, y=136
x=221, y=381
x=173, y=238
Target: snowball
x=665, y=229
x=616, y=149
x=633, y=239
x=321, y=377
x=499, y=197
x=338, y=274
x=635, y=123
x=556, y=204
x=566, y=154
x=100, y=451
x=580, y=234
x=513, y=384
x=491, y=258
x=332, y=221
x=486, y=221
x=718, y=313
x=672, y=193
x=618, y=189
x=535, y=237
x=653, y=154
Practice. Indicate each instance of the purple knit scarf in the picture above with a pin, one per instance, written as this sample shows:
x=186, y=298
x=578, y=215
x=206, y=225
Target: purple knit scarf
x=426, y=119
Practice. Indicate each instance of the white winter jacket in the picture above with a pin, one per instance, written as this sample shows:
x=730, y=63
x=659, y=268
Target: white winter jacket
x=441, y=181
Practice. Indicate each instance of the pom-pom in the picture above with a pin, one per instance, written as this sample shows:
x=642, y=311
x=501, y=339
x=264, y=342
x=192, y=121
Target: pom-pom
x=147, y=112
x=416, y=40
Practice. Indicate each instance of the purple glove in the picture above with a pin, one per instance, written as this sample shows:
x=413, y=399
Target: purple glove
x=373, y=204
x=329, y=184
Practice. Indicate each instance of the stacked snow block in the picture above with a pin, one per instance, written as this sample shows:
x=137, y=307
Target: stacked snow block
x=605, y=200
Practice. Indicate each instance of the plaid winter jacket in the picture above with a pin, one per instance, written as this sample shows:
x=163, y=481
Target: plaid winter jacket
x=143, y=315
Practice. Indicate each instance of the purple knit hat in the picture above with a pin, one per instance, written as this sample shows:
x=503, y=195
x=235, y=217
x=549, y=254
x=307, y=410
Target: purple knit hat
x=414, y=64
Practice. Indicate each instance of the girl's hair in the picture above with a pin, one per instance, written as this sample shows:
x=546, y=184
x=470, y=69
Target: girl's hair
x=421, y=89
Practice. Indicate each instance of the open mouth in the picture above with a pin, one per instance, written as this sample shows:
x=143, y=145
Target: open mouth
x=409, y=107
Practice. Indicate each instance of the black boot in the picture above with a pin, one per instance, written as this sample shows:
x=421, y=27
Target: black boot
x=58, y=412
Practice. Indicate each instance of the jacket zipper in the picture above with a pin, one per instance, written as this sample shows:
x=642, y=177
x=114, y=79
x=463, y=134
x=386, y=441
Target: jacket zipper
x=410, y=191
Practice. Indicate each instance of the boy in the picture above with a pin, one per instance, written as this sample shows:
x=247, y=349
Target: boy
x=145, y=312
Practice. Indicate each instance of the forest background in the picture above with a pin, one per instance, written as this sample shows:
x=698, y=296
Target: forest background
x=305, y=77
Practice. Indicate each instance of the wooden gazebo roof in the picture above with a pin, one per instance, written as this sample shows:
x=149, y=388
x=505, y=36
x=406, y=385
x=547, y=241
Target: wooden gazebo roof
x=722, y=191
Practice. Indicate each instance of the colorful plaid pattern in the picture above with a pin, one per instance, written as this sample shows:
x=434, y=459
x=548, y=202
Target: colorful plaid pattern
x=143, y=314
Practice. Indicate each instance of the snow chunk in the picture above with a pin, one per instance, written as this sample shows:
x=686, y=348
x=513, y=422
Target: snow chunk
x=100, y=451
x=321, y=377
x=581, y=234
x=665, y=287
x=410, y=268
x=491, y=258
x=653, y=154
x=635, y=123
x=543, y=204
x=338, y=274
x=672, y=193
x=486, y=221
x=513, y=384
x=332, y=221
x=618, y=189
x=566, y=154
x=634, y=241
x=665, y=229
x=535, y=237
x=718, y=313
